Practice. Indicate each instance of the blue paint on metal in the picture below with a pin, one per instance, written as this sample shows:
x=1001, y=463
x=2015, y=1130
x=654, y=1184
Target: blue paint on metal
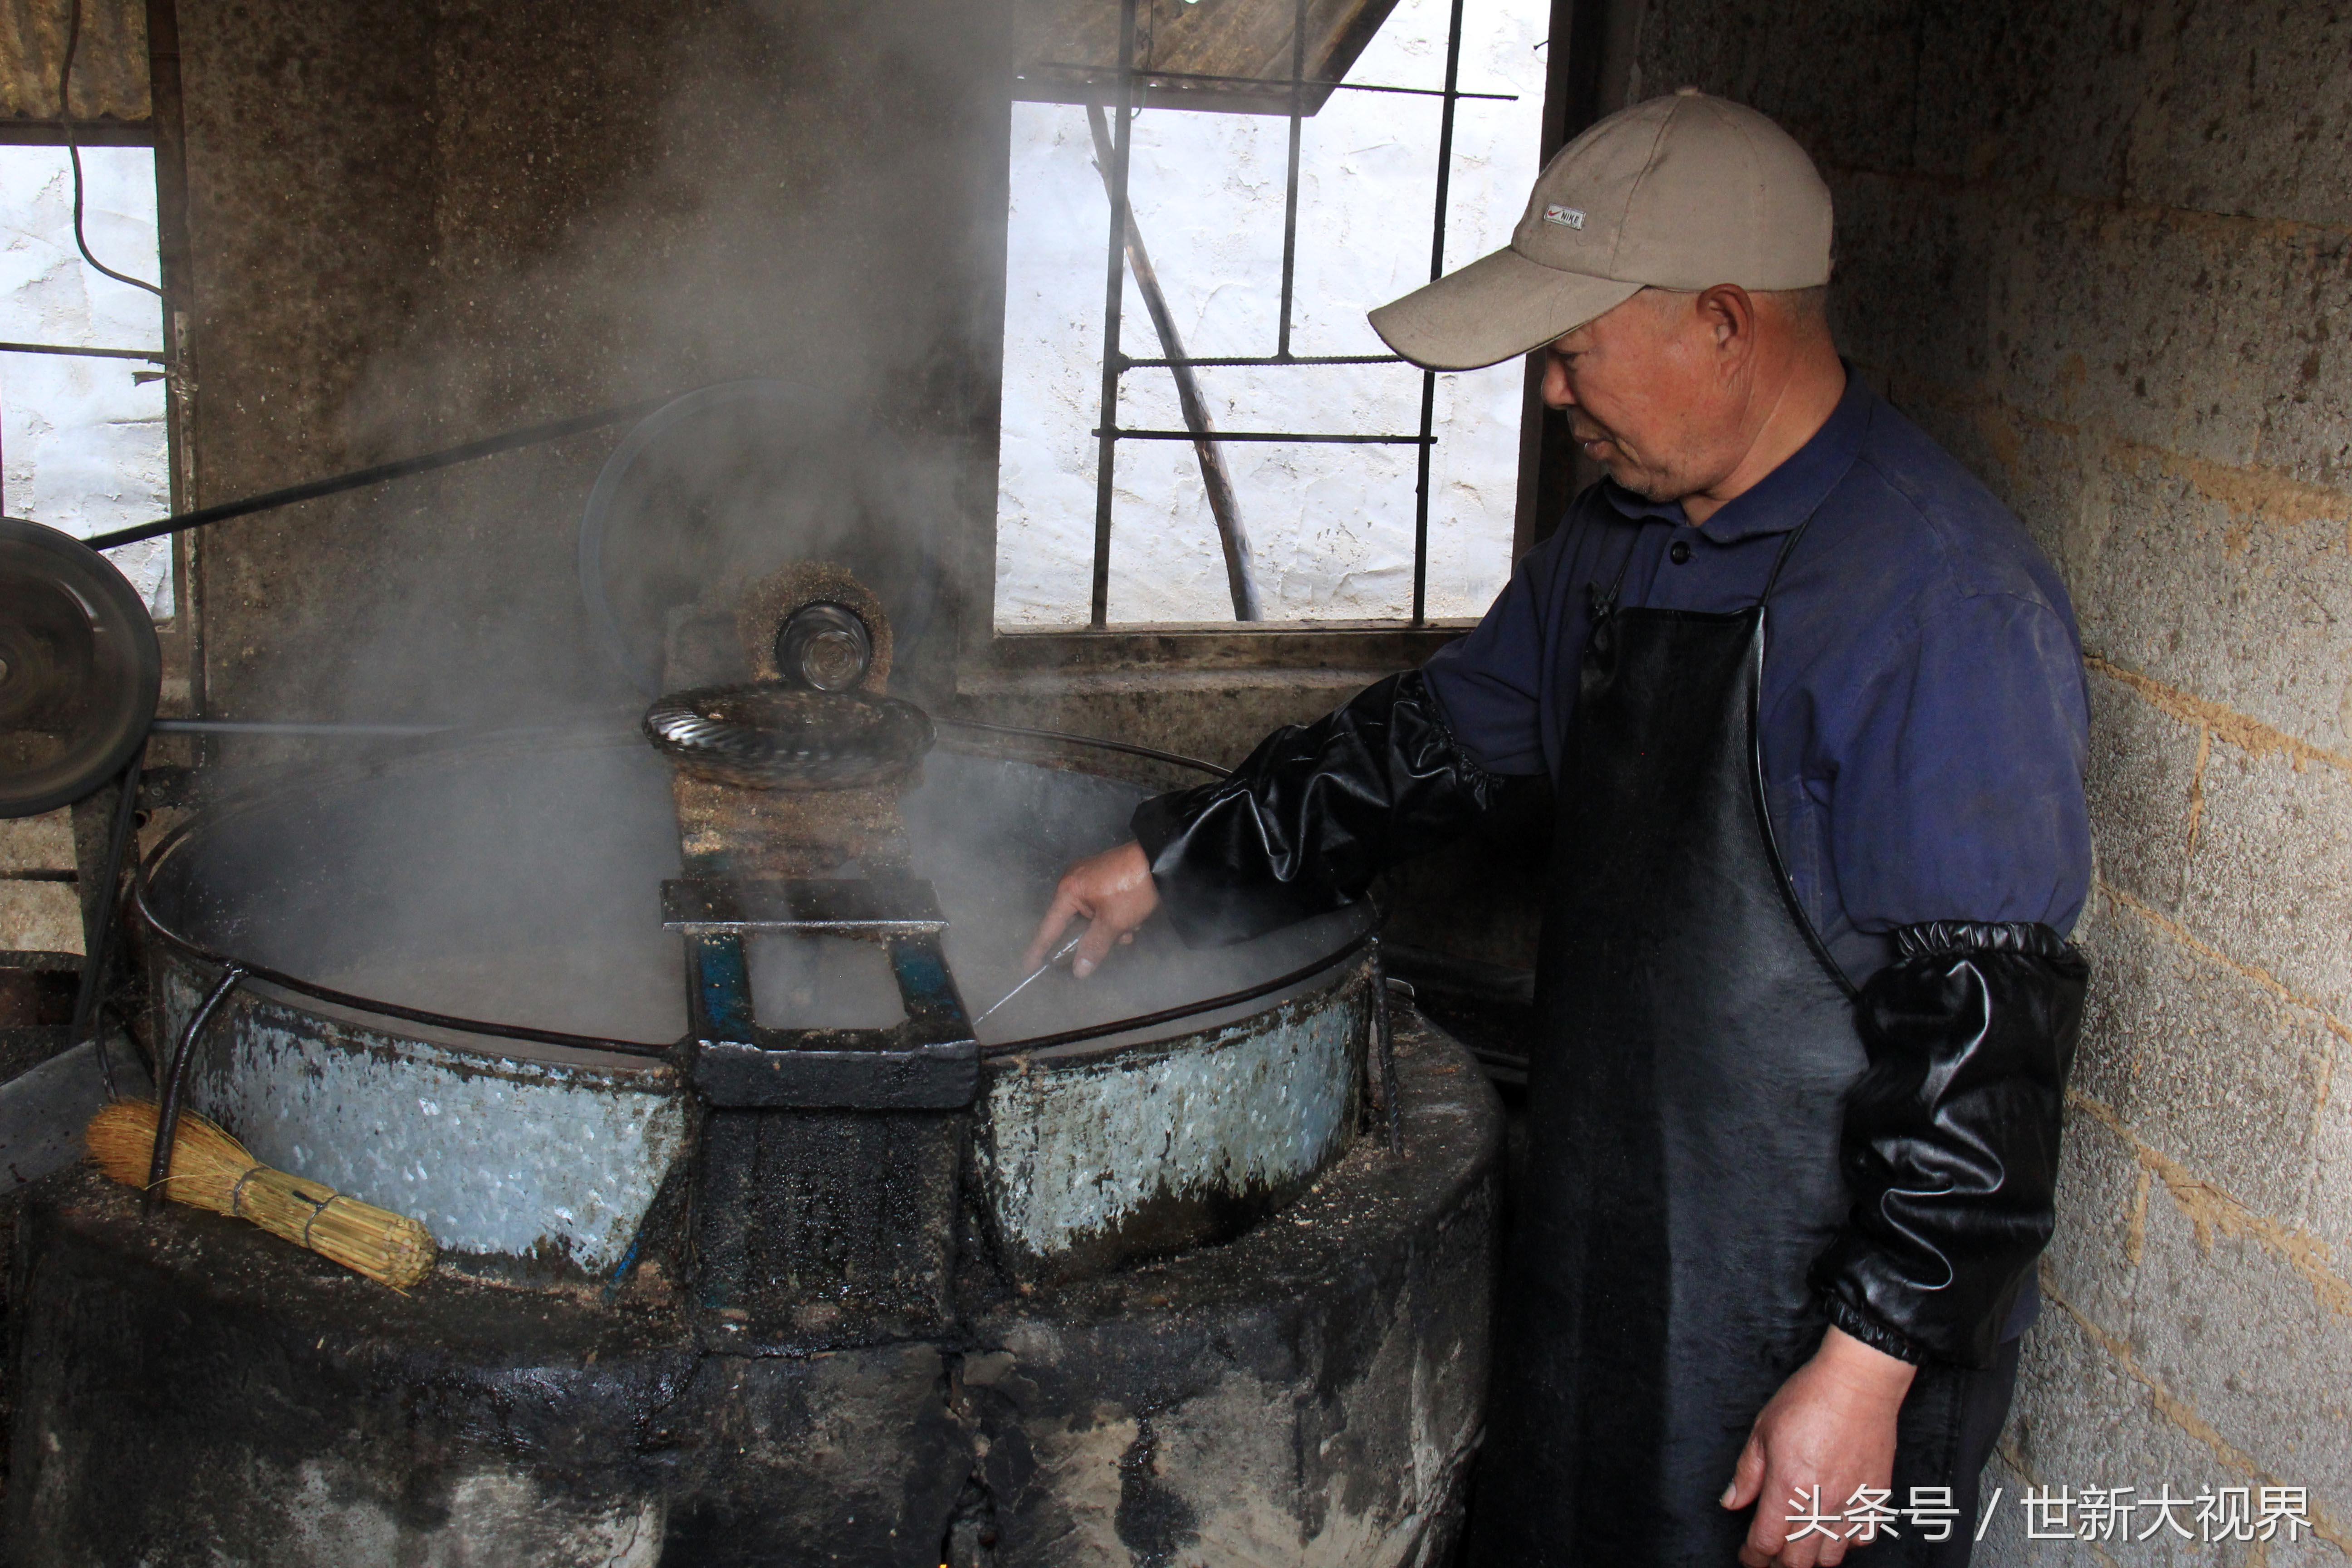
x=724, y=985
x=1073, y=1151
x=922, y=976
x=506, y=1157
x=620, y=1275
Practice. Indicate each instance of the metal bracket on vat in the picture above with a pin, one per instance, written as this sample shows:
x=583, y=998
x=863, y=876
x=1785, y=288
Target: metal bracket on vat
x=929, y=1062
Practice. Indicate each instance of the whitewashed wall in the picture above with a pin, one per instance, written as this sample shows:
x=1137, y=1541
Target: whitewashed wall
x=1331, y=526
x=82, y=443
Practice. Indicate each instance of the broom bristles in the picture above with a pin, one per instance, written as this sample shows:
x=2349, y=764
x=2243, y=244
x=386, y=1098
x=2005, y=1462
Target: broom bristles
x=206, y=1161
x=211, y=1170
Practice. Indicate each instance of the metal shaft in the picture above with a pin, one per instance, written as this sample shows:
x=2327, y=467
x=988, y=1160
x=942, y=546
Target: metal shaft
x=1114, y=286
x=85, y=1025
x=1436, y=269
x=1240, y=573
x=281, y=728
x=1060, y=953
x=1290, y=178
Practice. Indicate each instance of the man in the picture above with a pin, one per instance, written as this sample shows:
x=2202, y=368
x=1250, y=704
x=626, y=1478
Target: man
x=1813, y=708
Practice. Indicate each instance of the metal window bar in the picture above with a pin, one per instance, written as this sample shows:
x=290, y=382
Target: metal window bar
x=1151, y=75
x=1265, y=359
x=151, y=356
x=1107, y=432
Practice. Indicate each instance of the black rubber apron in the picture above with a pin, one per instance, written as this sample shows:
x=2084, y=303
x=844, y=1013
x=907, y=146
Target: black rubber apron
x=1684, y=1107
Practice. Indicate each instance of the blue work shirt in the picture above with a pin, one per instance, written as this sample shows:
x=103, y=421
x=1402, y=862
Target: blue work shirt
x=1924, y=714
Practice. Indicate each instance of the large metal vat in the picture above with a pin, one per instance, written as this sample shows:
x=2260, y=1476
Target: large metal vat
x=1175, y=1305
x=540, y=1155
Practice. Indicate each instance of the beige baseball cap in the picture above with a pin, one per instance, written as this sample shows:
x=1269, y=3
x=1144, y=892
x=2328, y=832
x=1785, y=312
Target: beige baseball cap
x=1682, y=192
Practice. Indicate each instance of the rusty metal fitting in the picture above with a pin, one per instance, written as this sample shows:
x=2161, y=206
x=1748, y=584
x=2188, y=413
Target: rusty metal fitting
x=767, y=735
x=824, y=646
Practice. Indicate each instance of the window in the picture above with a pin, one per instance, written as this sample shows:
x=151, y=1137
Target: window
x=82, y=443
x=1334, y=527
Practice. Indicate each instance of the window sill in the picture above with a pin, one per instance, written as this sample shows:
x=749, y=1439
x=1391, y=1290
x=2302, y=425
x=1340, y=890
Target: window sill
x=1378, y=645
x=1211, y=692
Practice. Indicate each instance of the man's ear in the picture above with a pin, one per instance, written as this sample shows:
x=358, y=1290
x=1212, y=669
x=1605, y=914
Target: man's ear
x=1729, y=313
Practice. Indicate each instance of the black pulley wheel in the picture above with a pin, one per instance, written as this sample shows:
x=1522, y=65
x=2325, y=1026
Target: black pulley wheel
x=80, y=669
x=767, y=735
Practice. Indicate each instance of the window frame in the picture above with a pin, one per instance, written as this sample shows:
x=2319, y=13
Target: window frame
x=1576, y=41
x=162, y=131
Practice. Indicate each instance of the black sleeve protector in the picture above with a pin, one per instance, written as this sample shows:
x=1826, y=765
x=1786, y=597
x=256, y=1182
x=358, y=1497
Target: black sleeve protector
x=1312, y=816
x=1950, y=1145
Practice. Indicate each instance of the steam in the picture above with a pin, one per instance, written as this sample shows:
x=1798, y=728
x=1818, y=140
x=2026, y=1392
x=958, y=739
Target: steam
x=804, y=195
x=519, y=883
x=815, y=199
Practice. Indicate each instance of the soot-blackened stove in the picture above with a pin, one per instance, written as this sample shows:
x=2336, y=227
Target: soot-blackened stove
x=735, y=1283
x=827, y=1193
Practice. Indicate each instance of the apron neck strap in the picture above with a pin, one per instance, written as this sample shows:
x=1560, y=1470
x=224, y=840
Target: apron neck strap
x=1602, y=602
x=1788, y=548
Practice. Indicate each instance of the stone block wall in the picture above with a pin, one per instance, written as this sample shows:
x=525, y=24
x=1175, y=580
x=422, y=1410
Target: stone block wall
x=41, y=911
x=2104, y=251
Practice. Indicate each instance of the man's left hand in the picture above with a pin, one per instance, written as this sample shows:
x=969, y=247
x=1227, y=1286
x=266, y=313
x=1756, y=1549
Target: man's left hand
x=1831, y=1427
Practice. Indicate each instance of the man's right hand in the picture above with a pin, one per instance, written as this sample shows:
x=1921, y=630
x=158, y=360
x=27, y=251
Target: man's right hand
x=1114, y=891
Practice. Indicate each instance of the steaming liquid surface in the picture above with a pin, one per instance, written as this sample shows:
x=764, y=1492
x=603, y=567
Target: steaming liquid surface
x=520, y=883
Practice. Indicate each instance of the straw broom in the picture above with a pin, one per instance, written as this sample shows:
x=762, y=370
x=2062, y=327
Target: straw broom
x=211, y=1170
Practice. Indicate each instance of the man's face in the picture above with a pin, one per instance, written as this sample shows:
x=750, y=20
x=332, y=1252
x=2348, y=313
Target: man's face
x=1646, y=396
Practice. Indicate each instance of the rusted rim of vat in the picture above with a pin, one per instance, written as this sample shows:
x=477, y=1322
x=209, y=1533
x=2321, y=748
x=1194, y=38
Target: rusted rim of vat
x=985, y=740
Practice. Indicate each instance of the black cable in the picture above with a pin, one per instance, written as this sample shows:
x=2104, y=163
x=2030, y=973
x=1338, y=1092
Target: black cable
x=267, y=501
x=1095, y=741
x=73, y=153
x=174, y=1086
x=358, y=479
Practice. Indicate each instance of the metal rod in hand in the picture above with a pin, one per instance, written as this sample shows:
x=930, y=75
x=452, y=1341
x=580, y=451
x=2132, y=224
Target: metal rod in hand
x=1223, y=505
x=102, y=931
x=176, y=1078
x=1060, y=953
